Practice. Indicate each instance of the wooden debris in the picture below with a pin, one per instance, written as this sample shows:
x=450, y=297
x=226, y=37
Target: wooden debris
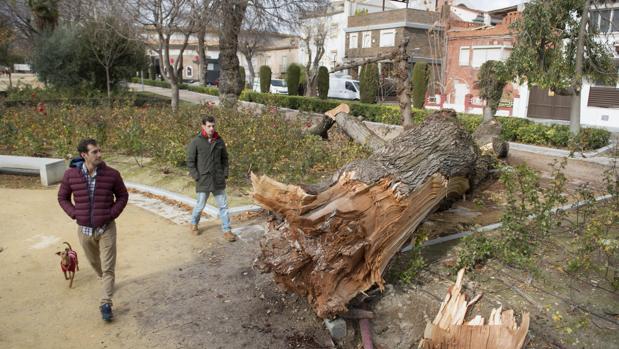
x=335, y=241
x=450, y=331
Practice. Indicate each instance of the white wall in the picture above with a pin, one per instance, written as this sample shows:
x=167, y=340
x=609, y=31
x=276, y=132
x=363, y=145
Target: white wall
x=593, y=116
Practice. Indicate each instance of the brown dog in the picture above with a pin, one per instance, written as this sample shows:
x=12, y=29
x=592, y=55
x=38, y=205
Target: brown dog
x=68, y=263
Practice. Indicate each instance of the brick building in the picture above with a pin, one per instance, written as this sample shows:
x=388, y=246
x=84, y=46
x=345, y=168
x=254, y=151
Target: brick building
x=469, y=45
x=369, y=35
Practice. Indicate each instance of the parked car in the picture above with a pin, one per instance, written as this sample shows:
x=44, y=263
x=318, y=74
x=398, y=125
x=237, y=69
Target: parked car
x=277, y=86
x=343, y=88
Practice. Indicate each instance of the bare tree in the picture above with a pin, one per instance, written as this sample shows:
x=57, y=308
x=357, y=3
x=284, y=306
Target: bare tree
x=313, y=33
x=168, y=23
x=232, y=12
x=204, y=23
x=255, y=34
x=109, y=40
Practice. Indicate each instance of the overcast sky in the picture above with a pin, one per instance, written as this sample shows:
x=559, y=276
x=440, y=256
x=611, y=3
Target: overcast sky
x=487, y=5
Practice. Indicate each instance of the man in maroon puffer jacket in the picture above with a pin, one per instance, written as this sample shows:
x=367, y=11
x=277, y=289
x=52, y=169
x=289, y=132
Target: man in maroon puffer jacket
x=99, y=197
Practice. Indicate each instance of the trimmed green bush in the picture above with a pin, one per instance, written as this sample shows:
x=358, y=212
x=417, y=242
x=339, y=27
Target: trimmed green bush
x=369, y=83
x=293, y=77
x=323, y=82
x=265, y=79
x=421, y=75
x=491, y=82
x=514, y=129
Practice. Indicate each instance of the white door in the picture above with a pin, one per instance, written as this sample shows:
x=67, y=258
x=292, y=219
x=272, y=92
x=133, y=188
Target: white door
x=461, y=91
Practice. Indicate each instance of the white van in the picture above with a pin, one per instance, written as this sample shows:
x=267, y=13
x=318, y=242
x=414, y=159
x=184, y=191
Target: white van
x=343, y=88
x=277, y=86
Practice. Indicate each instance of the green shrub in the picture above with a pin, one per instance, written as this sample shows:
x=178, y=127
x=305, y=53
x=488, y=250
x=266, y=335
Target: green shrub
x=323, y=82
x=421, y=75
x=492, y=79
x=266, y=144
x=265, y=79
x=213, y=91
x=293, y=76
x=514, y=129
x=476, y=249
x=369, y=83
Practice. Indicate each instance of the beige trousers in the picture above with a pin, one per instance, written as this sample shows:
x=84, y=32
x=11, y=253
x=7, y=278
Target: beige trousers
x=101, y=253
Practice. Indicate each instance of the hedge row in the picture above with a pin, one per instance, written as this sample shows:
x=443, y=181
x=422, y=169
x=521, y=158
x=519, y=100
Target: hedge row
x=514, y=129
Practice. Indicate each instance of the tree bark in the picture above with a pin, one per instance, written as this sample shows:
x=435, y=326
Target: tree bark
x=335, y=242
x=488, y=114
x=404, y=85
x=108, y=84
x=232, y=12
x=202, y=56
x=580, y=52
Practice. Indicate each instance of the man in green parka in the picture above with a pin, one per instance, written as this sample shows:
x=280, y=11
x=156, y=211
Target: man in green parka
x=207, y=159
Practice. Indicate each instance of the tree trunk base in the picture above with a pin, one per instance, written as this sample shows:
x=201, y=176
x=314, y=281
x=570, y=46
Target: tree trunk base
x=334, y=242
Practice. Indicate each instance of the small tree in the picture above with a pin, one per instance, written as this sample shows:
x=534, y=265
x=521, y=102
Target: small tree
x=242, y=78
x=421, y=75
x=110, y=43
x=491, y=81
x=293, y=75
x=557, y=46
x=265, y=79
x=55, y=57
x=369, y=83
x=323, y=82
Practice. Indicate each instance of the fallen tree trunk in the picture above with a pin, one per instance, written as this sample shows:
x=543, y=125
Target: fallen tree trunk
x=449, y=331
x=334, y=242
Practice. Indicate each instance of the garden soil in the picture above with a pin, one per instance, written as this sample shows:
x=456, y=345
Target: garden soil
x=173, y=290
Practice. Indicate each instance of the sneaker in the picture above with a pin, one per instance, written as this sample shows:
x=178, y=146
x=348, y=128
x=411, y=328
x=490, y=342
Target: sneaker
x=229, y=236
x=194, y=229
x=106, y=312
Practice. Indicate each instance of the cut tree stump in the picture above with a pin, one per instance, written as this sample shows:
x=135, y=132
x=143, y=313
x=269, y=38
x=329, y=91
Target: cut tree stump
x=334, y=241
x=449, y=331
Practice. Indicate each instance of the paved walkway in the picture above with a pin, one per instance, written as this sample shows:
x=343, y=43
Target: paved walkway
x=185, y=95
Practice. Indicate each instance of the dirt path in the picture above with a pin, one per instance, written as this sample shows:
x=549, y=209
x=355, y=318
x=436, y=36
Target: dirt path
x=173, y=290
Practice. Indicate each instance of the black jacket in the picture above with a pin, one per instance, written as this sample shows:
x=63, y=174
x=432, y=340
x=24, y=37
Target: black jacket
x=208, y=163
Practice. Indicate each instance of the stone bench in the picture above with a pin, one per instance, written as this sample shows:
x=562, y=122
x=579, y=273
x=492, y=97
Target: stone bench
x=50, y=170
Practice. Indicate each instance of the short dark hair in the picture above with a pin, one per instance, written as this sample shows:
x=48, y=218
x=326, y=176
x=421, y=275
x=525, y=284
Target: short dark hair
x=82, y=147
x=208, y=118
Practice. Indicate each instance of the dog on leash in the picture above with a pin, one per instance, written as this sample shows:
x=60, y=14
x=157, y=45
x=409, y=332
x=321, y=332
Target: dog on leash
x=68, y=263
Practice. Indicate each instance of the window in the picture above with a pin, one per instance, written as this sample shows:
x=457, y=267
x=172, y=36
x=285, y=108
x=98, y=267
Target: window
x=387, y=38
x=481, y=55
x=353, y=38
x=615, y=22
x=367, y=40
x=604, y=21
x=350, y=86
x=603, y=97
x=333, y=30
x=189, y=72
x=464, y=56
x=210, y=66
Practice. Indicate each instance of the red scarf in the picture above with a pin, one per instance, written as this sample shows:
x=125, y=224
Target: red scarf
x=212, y=139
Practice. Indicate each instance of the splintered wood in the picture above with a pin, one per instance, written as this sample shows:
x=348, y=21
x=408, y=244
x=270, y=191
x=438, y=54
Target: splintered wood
x=334, y=241
x=450, y=331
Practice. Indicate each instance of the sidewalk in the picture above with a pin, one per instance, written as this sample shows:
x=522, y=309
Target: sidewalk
x=185, y=95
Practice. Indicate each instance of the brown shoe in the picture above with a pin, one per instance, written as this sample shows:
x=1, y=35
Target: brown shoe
x=229, y=236
x=194, y=229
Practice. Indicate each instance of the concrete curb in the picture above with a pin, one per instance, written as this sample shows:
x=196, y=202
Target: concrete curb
x=209, y=209
x=559, y=152
x=491, y=227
